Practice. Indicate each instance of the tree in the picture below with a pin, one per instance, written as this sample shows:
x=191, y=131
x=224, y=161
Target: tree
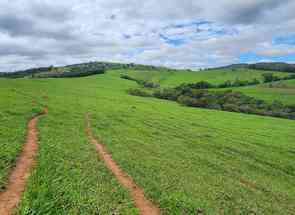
x=268, y=77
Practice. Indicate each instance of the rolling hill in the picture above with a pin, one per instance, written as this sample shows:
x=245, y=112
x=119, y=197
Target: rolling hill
x=275, y=66
x=186, y=160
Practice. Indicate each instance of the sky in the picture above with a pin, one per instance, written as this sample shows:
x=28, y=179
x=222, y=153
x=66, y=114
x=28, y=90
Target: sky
x=179, y=34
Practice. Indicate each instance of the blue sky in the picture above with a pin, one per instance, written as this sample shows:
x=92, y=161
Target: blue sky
x=285, y=39
x=179, y=34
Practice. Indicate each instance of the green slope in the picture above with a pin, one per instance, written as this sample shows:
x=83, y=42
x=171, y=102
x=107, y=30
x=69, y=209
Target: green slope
x=174, y=78
x=283, y=91
x=185, y=159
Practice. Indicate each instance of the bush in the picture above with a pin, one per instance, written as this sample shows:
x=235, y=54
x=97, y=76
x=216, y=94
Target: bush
x=226, y=84
x=230, y=107
x=139, y=92
x=168, y=94
x=127, y=77
x=227, y=100
x=269, y=77
x=144, y=83
x=187, y=101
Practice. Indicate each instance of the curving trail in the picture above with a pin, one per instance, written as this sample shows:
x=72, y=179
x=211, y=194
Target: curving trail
x=145, y=206
x=10, y=198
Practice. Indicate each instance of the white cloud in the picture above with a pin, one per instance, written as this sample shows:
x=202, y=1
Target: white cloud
x=40, y=33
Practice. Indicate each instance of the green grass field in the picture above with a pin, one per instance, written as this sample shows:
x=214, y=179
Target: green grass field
x=285, y=95
x=283, y=91
x=173, y=79
x=185, y=159
x=16, y=108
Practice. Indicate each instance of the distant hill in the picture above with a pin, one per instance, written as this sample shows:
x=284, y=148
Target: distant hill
x=76, y=70
x=57, y=72
x=283, y=67
x=92, y=68
x=276, y=66
x=234, y=66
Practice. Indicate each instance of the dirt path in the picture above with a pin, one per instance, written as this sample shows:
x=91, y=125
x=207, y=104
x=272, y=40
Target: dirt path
x=145, y=206
x=10, y=198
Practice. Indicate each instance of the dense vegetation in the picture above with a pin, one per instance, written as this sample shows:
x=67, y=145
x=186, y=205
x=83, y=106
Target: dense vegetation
x=283, y=67
x=76, y=70
x=72, y=73
x=57, y=72
x=194, y=95
x=24, y=73
x=144, y=83
x=227, y=101
x=167, y=78
x=267, y=78
x=266, y=91
x=271, y=66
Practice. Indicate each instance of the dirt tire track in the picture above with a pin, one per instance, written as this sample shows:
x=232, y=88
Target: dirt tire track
x=145, y=206
x=10, y=198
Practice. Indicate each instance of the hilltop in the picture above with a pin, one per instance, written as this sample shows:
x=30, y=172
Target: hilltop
x=76, y=70
x=274, y=66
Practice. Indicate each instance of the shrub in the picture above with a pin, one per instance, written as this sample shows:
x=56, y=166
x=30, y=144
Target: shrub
x=201, y=85
x=227, y=100
x=269, y=77
x=169, y=94
x=186, y=100
x=144, y=83
x=127, y=77
x=139, y=92
x=230, y=107
x=225, y=84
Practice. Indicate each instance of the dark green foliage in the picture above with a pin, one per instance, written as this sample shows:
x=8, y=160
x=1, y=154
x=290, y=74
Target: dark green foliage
x=168, y=94
x=144, y=83
x=74, y=74
x=24, y=73
x=127, y=77
x=78, y=70
x=236, y=102
x=139, y=92
x=269, y=77
x=290, y=77
x=198, y=85
x=227, y=101
x=227, y=84
x=282, y=67
x=62, y=72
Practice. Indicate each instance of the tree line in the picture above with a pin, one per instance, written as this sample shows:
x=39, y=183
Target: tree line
x=267, y=78
x=220, y=100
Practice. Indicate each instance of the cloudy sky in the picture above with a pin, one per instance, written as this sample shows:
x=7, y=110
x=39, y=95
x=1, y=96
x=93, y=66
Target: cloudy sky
x=175, y=33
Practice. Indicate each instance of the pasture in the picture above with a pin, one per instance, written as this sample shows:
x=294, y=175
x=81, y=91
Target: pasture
x=187, y=160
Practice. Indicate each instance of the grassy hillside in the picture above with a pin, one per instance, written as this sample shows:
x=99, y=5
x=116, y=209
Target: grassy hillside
x=266, y=66
x=270, y=94
x=185, y=159
x=174, y=78
x=16, y=109
x=281, y=91
x=75, y=70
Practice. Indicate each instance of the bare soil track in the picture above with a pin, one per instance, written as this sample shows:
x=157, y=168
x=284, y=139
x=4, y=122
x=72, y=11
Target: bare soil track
x=145, y=206
x=10, y=198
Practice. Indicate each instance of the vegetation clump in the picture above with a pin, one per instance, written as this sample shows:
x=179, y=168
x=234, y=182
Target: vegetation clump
x=220, y=100
x=143, y=83
x=267, y=78
x=75, y=72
